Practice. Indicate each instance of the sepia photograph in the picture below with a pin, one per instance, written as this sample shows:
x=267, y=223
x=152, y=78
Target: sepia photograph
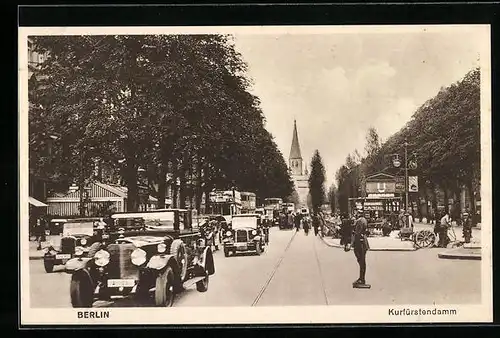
x=255, y=175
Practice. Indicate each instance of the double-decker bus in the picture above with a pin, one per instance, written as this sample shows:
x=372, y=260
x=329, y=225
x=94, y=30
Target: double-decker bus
x=248, y=202
x=226, y=203
x=272, y=207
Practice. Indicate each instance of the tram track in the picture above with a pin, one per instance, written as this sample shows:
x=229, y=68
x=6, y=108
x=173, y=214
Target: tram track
x=320, y=272
x=273, y=272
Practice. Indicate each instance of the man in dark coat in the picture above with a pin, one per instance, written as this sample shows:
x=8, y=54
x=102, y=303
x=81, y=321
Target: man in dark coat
x=359, y=243
x=345, y=231
x=297, y=220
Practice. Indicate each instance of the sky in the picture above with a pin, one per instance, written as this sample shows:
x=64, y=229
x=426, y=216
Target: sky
x=337, y=85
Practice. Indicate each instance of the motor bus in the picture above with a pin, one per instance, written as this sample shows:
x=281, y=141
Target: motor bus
x=272, y=208
x=226, y=203
x=248, y=202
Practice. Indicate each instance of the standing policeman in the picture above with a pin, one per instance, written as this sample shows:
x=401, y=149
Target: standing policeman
x=359, y=243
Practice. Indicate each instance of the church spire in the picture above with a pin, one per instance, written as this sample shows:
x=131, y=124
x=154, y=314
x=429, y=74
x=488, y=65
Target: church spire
x=295, y=150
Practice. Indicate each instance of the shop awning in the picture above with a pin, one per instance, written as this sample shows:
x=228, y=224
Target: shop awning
x=37, y=203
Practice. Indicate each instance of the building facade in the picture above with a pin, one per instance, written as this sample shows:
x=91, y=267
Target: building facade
x=298, y=170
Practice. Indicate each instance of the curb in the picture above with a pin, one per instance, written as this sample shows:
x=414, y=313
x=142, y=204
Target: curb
x=445, y=255
x=381, y=249
x=34, y=258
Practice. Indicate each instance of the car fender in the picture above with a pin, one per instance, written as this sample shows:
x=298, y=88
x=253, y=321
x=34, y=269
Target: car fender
x=158, y=262
x=206, y=261
x=76, y=264
x=257, y=238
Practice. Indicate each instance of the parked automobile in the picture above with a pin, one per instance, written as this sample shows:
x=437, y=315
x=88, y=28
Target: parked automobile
x=76, y=238
x=246, y=234
x=147, y=255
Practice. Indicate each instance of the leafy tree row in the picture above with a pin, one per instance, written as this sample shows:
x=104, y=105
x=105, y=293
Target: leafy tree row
x=177, y=106
x=443, y=138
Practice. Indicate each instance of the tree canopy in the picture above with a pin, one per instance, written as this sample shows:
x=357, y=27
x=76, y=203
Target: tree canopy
x=443, y=138
x=169, y=104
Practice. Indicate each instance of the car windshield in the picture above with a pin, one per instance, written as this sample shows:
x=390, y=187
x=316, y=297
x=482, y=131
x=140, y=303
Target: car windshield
x=242, y=222
x=152, y=221
x=78, y=228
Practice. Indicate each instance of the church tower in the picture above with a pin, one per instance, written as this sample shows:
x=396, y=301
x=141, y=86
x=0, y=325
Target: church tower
x=295, y=158
x=298, y=172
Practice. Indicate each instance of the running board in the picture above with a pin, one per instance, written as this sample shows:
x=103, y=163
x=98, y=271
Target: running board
x=192, y=281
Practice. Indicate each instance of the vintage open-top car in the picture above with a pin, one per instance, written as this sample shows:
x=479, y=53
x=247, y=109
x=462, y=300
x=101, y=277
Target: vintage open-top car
x=147, y=254
x=76, y=240
x=246, y=234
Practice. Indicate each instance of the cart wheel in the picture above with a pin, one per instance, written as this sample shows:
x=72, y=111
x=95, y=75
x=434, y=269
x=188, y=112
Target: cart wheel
x=425, y=239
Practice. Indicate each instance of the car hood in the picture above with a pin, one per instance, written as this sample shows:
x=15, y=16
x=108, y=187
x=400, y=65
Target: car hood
x=246, y=228
x=140, y=241
x=77, y=236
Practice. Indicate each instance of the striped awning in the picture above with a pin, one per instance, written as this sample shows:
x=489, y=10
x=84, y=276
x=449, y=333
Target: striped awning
x=36, y=203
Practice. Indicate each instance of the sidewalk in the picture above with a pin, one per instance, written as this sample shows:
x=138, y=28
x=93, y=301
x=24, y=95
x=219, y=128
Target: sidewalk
x=38, y=254
x=391, y=243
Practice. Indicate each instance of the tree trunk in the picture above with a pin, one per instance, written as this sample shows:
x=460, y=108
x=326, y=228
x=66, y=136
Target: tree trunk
x=162, y=187
x=199, y=184
x=434, y=202
x=133, y=189
x=446, y=204
x=472, y=201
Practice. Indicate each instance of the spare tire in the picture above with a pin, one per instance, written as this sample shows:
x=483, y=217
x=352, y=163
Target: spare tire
x=178, y=250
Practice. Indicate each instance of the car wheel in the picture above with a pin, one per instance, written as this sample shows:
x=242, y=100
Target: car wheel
x=226, y=252
x=164, y=292
x=258, y=249
x=178, y=250
x=202, y=285
x=81, y=291
x=48, y=265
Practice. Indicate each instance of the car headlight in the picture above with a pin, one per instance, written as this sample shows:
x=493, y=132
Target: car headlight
x=78, y=251
x=229, y=233
x=101, y=258
x=83, y=241
x=254, y=232
x=161, y=248
x=138, y=257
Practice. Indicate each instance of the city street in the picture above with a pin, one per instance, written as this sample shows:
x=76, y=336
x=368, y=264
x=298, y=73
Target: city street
x=301, y=270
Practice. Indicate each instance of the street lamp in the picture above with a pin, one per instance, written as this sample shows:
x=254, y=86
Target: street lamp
x=406, y=174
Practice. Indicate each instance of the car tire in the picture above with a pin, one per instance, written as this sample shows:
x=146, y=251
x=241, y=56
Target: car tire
x=202, y=285
x=165, y=285
x=226, y=252
x=48, y=265
x=81, y=291
x=178, y=250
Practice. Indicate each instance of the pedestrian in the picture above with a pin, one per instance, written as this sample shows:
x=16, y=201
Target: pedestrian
x=297, y=222
x=289, y=220
x=316, y=221
x=345, y=231
x=360, y=245
x=306, y=225
x=40, y=232
x=445, y=222
x=466, y=227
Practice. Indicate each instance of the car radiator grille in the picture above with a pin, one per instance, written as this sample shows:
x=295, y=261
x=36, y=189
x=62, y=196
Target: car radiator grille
x=68, y=245
x=120, y=265
x=241, y=236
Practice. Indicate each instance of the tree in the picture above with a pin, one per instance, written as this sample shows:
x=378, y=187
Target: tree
x=316, y=182
x=332, y=197
x=372, y=142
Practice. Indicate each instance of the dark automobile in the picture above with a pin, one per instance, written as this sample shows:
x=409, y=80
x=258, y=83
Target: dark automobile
x=148, y=254
x=76, y=238
x=246, y=234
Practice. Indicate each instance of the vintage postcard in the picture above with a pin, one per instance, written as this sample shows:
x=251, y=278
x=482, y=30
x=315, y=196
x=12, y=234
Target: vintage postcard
x=255, y=175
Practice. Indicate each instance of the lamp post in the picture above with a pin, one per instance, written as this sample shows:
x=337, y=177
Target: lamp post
x=406, y=174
